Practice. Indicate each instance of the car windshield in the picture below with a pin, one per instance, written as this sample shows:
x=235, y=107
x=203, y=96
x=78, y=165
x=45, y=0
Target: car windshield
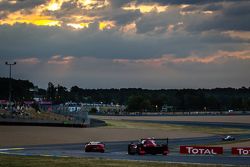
x=149, y=142
x=94, y=143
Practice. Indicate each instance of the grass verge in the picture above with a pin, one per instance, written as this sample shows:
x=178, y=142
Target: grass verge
x=37, y=161
x=170, y=127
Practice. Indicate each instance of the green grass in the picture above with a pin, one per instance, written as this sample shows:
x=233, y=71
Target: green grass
x=37, y=161
x=140, y=125
x=170, y=127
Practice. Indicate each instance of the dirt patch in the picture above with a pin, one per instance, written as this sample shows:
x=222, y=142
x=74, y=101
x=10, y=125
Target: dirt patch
x=31, y=135
x=229, y=118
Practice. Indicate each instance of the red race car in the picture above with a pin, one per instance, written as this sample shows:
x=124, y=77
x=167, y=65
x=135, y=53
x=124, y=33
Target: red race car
x=95, y=147
x=148, y=146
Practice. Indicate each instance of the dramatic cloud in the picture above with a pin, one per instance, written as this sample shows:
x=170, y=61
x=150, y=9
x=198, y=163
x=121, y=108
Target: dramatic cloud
x=233, y=16
x=222, y=69
x=127, y=43
x=27, y=61
x=218, y=57
x=58, y=59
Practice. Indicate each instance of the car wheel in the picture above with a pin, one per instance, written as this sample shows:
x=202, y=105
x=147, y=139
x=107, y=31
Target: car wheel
x=140, y=150
x=130, y=152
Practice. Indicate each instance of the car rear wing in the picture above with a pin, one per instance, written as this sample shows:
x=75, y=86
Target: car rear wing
x=160, y=139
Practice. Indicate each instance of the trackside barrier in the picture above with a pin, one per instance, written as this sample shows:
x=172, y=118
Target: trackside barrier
x=241, y=150
x=200, y=150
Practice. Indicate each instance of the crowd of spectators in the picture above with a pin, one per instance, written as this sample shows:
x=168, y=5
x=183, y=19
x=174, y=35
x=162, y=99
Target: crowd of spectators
x=26, y=112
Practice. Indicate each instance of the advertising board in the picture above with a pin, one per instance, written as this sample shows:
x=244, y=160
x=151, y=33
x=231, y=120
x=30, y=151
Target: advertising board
x=201, y=150
x=241, y=150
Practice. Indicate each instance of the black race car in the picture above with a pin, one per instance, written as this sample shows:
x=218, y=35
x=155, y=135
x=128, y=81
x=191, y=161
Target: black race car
x=148, y=146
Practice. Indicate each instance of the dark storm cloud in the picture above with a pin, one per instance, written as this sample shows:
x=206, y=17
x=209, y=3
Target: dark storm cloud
x=150, y=41
x=213, y=7
x=27, y=40
x=237, y=10
x=67, y=9
x=226, y=16
x=119, y=3
x=209, y=7
x=232, y=17
x=43, y=42
x=50, y=41
x=189, y=2
x=125, y=17
x=87, y=56
x=149, y=22
x=20, y=4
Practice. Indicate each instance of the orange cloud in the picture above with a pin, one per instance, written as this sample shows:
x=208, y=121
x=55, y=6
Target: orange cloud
x=33, y=18
x=58, y=59
x=146, y=8
x=40, y=16
x=78, y=26
x=54, y=5
x=129, y=28
x=92, y=4
x=80, y=22
x=106, y=25
x=238, y=34
x=122, y=61
x=215, y=58
x=31, y=60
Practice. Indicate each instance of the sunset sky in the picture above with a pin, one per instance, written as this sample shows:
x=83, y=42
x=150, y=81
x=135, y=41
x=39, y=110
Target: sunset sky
x=150, y=44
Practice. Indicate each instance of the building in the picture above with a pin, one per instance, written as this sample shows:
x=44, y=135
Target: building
x=166, y=108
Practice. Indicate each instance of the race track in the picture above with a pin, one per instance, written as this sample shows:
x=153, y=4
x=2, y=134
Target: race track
x=118, y=150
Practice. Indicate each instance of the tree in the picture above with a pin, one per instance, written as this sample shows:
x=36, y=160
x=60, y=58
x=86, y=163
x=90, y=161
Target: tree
x=51, y=92
x=61, y=94
x=138, y=103
x=157, y=101
x=76, y=93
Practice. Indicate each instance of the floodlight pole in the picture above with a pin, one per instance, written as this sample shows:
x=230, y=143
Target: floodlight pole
x=10, y=86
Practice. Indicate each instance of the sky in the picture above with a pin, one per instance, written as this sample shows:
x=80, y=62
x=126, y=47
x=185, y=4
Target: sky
x=152, y=44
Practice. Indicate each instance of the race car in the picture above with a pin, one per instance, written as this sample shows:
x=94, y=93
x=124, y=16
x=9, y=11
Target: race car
x=148, y=146
x=95, y=147
x=228, y=138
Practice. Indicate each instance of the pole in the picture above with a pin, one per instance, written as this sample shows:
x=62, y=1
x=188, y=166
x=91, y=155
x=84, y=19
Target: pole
x=10, y=86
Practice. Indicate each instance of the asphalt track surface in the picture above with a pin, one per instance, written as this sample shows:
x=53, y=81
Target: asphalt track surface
x=189, y=123
x=118, y=150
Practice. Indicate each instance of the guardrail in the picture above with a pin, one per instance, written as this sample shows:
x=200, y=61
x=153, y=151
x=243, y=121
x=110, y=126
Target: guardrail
x=15, y=122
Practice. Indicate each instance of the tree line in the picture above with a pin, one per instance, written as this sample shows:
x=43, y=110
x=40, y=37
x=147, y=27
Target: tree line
x=136, y=99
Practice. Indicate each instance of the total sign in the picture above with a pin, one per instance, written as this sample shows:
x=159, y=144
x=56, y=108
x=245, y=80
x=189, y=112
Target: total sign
x=201, y=150
x=241, y=150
